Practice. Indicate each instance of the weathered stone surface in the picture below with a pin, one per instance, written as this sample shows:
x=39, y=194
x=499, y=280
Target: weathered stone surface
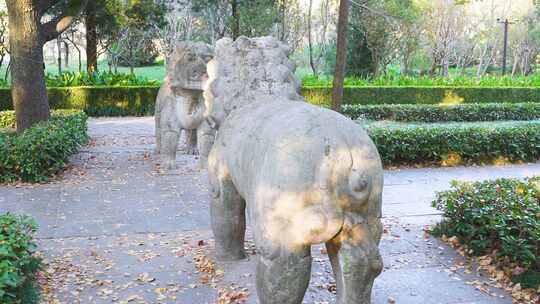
x=180, y=106
x=304, y=174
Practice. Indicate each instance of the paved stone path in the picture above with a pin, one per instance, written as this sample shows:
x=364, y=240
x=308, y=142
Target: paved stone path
x=116, y=229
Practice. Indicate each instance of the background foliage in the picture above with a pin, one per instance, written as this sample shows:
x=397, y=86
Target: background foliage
x=83, y=79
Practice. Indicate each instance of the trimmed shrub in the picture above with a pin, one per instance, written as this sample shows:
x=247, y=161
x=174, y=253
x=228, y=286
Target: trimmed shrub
x=501, y=216
x=423, y=95
x=435, y=113
x=106, y=101
x=97, y=101
x=139, y=100
x=455, y=144
x=44, y=149
x=18, y=262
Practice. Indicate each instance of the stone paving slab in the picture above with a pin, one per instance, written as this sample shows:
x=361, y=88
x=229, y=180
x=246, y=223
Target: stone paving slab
x=116, y=228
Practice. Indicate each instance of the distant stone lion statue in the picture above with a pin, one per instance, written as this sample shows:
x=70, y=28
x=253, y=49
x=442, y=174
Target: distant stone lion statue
x=180, y=106
x=303, y=174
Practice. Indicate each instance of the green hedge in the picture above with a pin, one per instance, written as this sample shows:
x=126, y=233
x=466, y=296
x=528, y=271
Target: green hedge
x=455, y=144
x=423, y=95
x=436, y=113
x=18, y=263
x=139, y=100
x=44, y=149
x=501, y=216
x=97, y=101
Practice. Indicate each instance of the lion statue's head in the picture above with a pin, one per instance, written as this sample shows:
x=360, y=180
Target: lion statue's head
x=248, y=70
x=186, y=66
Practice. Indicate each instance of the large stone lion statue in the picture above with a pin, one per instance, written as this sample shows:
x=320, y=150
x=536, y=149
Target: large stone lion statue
x=303, y=174
x=180, y=106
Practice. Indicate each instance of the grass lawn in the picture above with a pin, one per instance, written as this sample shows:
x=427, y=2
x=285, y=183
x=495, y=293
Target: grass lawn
x=149, y=72
x=155, y=72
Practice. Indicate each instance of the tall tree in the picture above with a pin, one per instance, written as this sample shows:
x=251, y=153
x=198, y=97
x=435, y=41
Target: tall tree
x=91, y=37
x=248, y=18
x=289, y=18
x=310, y=38
x=359, y=56
x=341, y=53
x=253, y=18
x=376, y=30
x=109, y=19
x=27, y=35
x=141, y=17
x=235, y=19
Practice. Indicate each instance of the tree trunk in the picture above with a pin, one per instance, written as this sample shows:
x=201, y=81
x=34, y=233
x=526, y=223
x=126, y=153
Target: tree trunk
x=445, y=67
x=283, y=20
x=91, y=37
x=78, y=53
x=479, y=69
x=515, y=65
x=27, y=36
x=28, y=89
x=236, y=19
x=376, y=63
x=310, y=39
x=527, y=69
x=405, y=64
x=341, y=53
x=66, y=55
x=59, y=58
x=80, y=60
x=131, y=62
x=8, y=70
x=109, y=62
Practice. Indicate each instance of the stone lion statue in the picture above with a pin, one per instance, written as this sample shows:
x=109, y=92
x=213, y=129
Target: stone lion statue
x=180, y=106
x=303, y=174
